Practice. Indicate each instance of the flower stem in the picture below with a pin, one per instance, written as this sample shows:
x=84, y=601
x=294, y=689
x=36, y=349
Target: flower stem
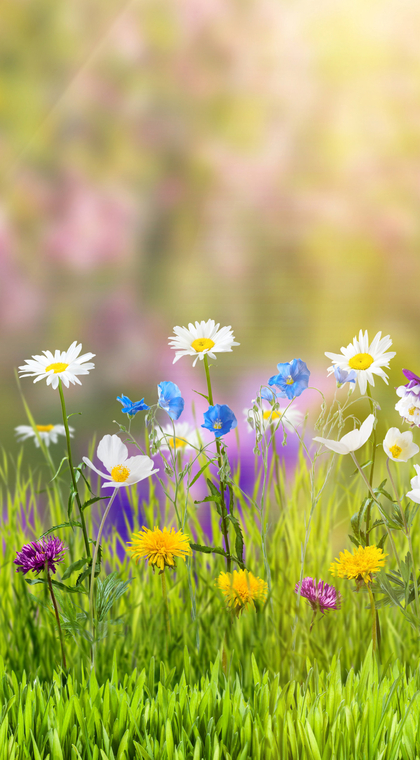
x=372, y=408
x=222, y=485
x=377, y=502
x=373, y=611
x=98, y=541
x=165, y=599
x=408, y=534
x=312, y=621
x=60, y=632
x=73, y=476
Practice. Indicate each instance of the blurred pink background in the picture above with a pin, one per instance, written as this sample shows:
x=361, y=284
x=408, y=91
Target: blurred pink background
x=255, y=162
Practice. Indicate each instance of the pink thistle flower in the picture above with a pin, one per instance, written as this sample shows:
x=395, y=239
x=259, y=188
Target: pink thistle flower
x=321, y=596
x=39, y=554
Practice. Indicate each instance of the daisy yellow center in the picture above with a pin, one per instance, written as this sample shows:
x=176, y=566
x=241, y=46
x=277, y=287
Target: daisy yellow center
x=119, y=473
x=217, y=425
x=44, y=428
x=290, y=380
x=395, y=450
x=179, y=443
x=361, y=361
x=56, y=367
x=268, y=414
x=202, y=344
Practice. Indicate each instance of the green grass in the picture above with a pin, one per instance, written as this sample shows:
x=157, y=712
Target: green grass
x=149, y=715
x=277, y=635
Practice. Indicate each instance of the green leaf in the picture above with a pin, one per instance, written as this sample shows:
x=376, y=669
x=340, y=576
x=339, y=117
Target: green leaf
x=208, y=549
x=239, y=540
x=71, y=524
x=200, y=472
x=92, y=501
x=73, y=567
x=57, y=584
x=64, y=459
x=201, y=394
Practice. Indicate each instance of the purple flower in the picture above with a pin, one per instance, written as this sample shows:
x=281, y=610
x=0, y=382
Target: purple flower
x=322, y=597
x=414, y=380
x=33, y=556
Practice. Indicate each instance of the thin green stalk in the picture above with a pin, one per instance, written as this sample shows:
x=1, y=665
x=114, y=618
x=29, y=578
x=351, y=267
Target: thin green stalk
x=73, y=476
x=373, y=612
x=166, y=605
x=60, y=633
x=377, y=502
x=372, y=408
x=222, y=485
x=408, y=535
x=98, y=541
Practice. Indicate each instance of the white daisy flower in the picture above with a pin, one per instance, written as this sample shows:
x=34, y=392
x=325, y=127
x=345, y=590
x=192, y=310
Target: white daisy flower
x=399, y=446
x=351, y=441
x=186, y=438
x=291, y=419
x=365, y=359
x=200, y=339
x=62, y=365
x=122, y=469
x=47, y=433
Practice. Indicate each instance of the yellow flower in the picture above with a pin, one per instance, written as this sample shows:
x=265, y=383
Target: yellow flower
x=159, y=547
x=241, y=589
x=360, y=565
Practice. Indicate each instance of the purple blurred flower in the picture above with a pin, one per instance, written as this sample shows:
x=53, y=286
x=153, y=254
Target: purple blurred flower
x=322, y=597
x=414, y=380
x=33, y=556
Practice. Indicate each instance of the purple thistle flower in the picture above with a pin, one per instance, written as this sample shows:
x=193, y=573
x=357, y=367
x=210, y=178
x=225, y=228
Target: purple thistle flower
x=33, y=556
x=322, y=597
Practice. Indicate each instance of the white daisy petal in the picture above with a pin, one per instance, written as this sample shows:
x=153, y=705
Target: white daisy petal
x=200, y=339
x=62, y=365
x=366, y=359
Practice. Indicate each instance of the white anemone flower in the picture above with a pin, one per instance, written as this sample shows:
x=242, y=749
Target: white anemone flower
x=366, y=359
x=62, y=365
x=122, y=469
x=47, y=433
x=290, y=419
x=414, y=494
x=409, y=409
x=399, y=446
x=351, y=441
x=186, y=437
x=201, y=339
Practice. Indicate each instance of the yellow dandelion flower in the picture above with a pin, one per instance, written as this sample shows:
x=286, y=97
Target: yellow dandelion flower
x=159, y=547
x=360, y=565
x=241, y=589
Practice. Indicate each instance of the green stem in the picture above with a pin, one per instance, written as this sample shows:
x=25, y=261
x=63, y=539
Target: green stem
x=166, y=605
x=377, y=502
x=408, y=535
x=73, y=476
x=60, y=633
x=373, y=611
x=222, y=485
x=372, y=409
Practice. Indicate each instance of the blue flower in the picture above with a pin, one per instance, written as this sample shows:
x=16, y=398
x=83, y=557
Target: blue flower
x=292, y=379
x=131, y=407
x=269, y=394
x=342, y=376
x=219, y=419
x=170, y=399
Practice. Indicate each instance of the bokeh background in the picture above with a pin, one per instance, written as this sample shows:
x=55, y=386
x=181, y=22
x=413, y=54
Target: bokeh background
x=161, y=161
